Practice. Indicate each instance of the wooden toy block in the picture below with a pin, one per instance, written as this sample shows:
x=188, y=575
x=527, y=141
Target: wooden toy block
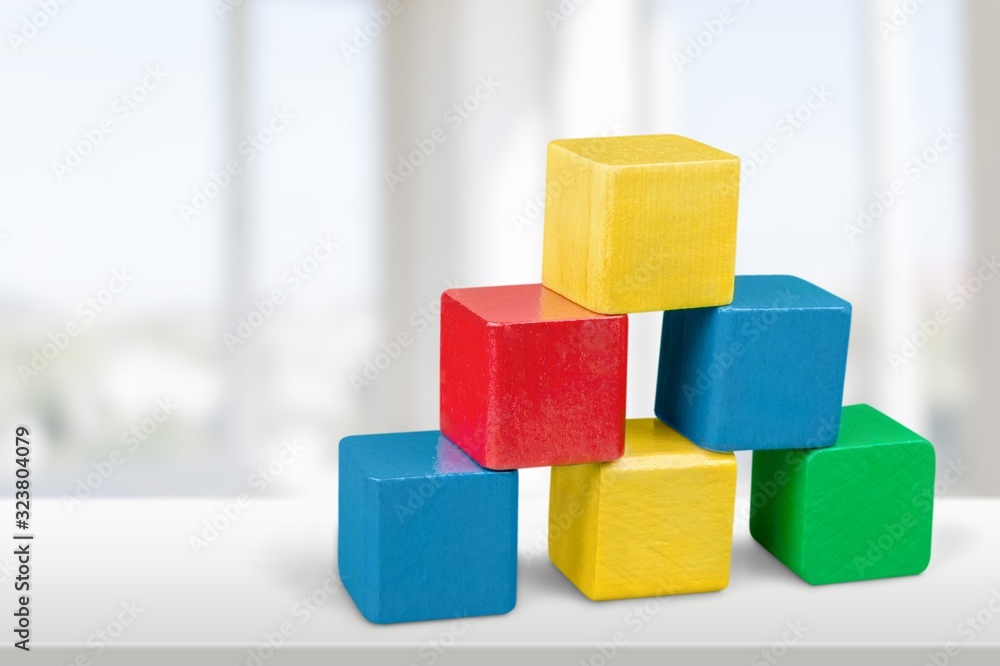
x=530, y=379
x=640, y=223
x=425, y=533
x=658, y=521
x=764, y=372
x=859, y=510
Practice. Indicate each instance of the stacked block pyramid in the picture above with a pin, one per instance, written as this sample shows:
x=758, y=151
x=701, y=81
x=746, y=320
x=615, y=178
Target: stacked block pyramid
x=535, y=376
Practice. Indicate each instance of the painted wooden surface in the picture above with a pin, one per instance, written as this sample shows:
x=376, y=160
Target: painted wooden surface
x=859, y=510
x=658, y=521
x=424, y=532
x=764, y=372
x=640, y=223
x=530, y=379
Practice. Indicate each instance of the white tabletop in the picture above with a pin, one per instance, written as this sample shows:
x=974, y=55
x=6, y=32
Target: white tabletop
x=251, y=581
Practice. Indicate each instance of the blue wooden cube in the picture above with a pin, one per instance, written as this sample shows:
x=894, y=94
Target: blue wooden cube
x=424, y=532
x=764, y=372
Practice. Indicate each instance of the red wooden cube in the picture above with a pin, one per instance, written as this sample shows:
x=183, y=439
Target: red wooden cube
x=531, y=379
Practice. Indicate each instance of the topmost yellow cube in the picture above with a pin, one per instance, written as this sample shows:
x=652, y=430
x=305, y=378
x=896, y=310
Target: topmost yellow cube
x=640, y=223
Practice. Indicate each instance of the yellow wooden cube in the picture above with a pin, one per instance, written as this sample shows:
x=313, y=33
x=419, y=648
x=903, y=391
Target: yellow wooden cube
x=657, y=521
x=640, y=223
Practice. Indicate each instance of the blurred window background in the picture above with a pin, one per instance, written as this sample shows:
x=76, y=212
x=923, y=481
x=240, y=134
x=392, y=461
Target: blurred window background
x=220, y=220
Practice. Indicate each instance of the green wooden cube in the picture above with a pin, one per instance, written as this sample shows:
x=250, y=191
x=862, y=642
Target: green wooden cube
x=858, y=510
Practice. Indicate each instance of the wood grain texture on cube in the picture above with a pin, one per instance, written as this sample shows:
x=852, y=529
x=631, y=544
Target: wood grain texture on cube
x=531, y=379
x=656, y=522
x=859, y=510
x=424, y=533
x=763, y=372
x=640, y=223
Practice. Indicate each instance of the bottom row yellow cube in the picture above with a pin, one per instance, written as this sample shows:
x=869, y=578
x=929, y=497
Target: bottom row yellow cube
x=657, y=521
